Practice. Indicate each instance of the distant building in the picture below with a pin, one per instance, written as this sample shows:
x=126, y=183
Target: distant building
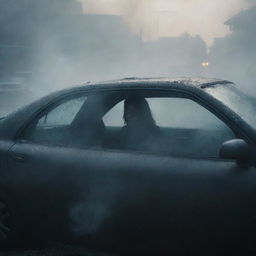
x=233, y=57
x=242, y=21
x=56, y=35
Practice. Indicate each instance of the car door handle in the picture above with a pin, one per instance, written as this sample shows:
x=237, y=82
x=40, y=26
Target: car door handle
x=18, y=157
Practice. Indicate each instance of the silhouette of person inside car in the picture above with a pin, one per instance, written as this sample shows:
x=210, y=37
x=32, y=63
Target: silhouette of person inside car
x=140, y=131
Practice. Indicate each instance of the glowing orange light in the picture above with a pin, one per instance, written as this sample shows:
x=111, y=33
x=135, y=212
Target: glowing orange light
x=205, y=64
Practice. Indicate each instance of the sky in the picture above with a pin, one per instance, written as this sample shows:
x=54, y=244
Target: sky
x=158, y=18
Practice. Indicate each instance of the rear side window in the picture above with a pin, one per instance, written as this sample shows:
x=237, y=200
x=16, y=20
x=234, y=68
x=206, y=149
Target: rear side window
x=52, y=127
x=62, y=115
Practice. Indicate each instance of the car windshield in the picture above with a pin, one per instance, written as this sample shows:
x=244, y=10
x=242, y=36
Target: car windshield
x=236, y=100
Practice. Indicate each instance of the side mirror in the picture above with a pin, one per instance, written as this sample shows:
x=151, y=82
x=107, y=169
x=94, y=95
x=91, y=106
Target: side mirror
x=236, y=149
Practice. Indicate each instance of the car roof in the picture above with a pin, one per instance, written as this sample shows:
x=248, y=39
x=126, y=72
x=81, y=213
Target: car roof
x=148, y=83
x=162, y=81
x=185, y=83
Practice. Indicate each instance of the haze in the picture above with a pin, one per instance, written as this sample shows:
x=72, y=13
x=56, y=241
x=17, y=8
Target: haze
x=152, y=19
x=46, y=45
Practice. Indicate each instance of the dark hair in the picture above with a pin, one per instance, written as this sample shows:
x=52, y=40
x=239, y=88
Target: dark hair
x=142, y=108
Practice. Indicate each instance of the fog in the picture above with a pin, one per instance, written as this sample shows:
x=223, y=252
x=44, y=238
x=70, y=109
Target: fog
x=233, y=56
x=46, y=45
x=65, y=42
x=172, y=18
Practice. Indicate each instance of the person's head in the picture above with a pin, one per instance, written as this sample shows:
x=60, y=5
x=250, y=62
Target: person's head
x=137, y=111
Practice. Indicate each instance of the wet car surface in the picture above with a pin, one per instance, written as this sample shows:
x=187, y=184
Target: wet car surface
x=68, y=172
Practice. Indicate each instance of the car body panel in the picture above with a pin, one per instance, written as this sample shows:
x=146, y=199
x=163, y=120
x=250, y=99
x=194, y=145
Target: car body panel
x=130, y=202
x=127, y=200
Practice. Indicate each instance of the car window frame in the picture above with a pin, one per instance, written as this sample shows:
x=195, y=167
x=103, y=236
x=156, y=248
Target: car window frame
x=167, y=92
x=189, y=95
x=170, y=92
x=173, y=93
x=181, y=93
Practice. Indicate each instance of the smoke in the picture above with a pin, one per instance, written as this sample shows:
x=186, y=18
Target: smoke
x=233, y=56
x=64, y=44
x=171, y=18
x=89, y=215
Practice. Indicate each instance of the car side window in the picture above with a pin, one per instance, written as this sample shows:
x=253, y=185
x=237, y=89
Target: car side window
x=183, y=113
x=114, y=117
x=52, y=126
x=62, y=115
x=179, y=127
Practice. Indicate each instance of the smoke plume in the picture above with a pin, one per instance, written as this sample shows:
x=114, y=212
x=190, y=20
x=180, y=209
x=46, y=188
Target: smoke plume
x=152, y=18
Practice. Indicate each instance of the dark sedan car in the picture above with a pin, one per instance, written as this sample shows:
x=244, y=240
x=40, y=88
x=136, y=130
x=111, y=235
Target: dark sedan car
x=71, y=171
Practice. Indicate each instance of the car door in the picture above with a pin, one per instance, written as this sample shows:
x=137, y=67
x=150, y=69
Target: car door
x=180, y=199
